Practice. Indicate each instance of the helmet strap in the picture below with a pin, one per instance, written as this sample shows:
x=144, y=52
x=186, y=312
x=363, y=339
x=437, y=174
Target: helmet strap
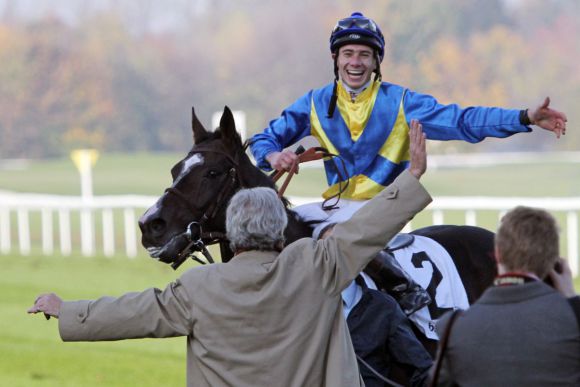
x=378, y=68
x=334, y=97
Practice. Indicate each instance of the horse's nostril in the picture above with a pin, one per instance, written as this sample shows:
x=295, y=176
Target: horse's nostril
x=157, y=226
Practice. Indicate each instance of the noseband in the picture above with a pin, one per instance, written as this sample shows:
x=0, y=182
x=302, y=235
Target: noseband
x=196, y=239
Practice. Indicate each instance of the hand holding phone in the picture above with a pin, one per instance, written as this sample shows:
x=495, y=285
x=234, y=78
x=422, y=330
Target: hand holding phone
x=561, y=278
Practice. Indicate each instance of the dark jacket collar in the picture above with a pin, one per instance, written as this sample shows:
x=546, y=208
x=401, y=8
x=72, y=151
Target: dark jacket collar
x=515, y=293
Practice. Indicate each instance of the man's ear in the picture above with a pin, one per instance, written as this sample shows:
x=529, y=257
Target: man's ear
x=497, y=255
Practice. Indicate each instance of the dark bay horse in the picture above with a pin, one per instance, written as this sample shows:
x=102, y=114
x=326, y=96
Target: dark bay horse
x=191, y=214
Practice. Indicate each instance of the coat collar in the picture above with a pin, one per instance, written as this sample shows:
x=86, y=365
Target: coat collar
x=255, y=256
x=515, y=293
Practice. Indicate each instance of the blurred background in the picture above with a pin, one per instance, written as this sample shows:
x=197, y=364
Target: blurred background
x=122, y=75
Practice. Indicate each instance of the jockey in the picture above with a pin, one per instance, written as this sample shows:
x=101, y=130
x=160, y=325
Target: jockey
x=365, y=121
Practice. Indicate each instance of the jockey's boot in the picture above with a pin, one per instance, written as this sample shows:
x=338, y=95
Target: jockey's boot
x=393, y=279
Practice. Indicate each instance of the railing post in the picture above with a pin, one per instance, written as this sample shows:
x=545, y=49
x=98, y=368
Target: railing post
x=438, y=217
x=108, y=232
x=470, y=218
x=87, y=234
x=23, y=231
x=64, y=231
x=47, y=234
x=130, y=235
x=5, y=230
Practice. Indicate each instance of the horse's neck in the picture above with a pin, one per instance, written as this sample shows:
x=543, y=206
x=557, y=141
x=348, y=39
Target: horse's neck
x=296, y=228
x=252, y=176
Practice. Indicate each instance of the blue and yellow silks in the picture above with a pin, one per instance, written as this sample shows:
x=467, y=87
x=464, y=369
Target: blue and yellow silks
x=370, y=135
x=372, y=143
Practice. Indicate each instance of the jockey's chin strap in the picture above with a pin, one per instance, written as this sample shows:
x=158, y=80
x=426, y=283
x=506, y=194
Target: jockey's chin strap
x=194, y=233
x=312, y=154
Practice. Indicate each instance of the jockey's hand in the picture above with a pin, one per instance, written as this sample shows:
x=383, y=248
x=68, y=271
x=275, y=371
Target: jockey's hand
x=549, y=119
x=49, y=304
x=283, y=161
x=417, y=149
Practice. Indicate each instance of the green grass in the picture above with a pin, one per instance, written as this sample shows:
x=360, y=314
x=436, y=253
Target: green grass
x=148, y=174
x=32, y=353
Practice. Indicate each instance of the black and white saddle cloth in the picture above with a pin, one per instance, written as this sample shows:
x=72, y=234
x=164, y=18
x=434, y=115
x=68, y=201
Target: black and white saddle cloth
x=431, y=266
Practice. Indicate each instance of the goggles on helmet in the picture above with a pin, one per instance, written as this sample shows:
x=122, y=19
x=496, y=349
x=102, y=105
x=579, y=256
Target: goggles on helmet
x=355, y=21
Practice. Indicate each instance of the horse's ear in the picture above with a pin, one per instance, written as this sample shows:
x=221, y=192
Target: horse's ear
x=230, y=136
x=199, y=132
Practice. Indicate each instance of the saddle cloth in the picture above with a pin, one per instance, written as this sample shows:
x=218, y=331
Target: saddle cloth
x=448, y=293
x=422, y=260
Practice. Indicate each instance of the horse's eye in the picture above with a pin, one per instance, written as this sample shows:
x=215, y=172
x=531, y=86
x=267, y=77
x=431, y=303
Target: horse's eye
x=212, y=174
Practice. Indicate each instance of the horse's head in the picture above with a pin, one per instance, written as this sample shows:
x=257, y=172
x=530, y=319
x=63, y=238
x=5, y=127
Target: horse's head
x=203, y=183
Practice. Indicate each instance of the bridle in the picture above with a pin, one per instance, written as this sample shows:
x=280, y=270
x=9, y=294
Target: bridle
x=198, y=239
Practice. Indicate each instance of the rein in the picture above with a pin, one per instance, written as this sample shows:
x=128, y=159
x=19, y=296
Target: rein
x=312, y=154
x=303, y=156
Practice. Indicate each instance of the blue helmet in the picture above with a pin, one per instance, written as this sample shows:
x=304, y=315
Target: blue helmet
x=357, y=29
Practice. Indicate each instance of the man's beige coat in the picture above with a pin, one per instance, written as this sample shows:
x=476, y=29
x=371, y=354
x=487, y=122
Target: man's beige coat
x=263, y=319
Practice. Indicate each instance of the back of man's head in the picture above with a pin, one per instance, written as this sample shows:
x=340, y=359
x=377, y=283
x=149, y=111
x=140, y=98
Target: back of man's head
x=527, y=240
x=255, y=220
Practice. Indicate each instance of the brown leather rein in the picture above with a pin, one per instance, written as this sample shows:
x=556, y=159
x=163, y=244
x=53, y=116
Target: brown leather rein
x=304, y=156
x=311, y=154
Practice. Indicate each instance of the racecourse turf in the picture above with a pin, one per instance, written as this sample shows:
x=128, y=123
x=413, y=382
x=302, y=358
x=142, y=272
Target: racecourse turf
x=31, y=352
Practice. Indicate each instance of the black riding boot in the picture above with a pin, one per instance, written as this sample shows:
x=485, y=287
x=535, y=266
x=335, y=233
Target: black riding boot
x=392, y=278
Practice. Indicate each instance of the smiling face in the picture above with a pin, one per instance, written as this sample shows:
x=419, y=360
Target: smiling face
x=356, y=63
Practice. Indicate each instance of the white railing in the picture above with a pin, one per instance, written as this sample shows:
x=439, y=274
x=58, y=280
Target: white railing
x=17, y=209
x=23, y=205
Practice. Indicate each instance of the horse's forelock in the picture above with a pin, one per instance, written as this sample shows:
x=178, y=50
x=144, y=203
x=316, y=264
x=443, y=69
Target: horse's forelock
x=253, y=174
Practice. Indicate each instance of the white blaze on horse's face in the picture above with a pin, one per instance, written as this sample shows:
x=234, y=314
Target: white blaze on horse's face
x=188, y=164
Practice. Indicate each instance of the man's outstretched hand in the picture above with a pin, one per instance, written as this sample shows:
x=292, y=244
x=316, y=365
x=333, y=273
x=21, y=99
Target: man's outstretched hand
x=49, y=304
x=548, y=118
x=417, y=149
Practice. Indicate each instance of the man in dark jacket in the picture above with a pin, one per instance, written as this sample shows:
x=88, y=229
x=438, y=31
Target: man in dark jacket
x=382, y=336
x=521, y=332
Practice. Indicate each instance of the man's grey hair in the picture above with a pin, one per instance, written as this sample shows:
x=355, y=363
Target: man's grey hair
x=255, y=220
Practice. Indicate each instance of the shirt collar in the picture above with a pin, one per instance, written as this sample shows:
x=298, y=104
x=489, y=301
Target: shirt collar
x=357, y=91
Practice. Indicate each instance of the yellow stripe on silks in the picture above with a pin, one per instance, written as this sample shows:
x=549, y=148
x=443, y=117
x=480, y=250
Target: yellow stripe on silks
x=356, y=114
x=396, y=148
x=318, y=133
x=360, y=187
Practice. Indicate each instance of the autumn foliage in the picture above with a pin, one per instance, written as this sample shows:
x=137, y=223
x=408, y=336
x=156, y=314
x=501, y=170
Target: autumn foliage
x=115, y=82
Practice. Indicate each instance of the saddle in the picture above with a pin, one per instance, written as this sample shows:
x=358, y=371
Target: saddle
x=400, y=241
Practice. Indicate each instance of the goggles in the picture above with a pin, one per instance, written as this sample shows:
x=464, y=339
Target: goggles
x=362, y=23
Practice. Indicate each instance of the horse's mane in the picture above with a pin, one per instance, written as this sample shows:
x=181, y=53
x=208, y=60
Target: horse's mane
x=255, y=177
x=251, y=175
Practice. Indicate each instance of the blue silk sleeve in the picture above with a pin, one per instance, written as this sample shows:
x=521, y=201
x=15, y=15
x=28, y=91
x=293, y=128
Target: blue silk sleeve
x=451, y=122
x=292, y=125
